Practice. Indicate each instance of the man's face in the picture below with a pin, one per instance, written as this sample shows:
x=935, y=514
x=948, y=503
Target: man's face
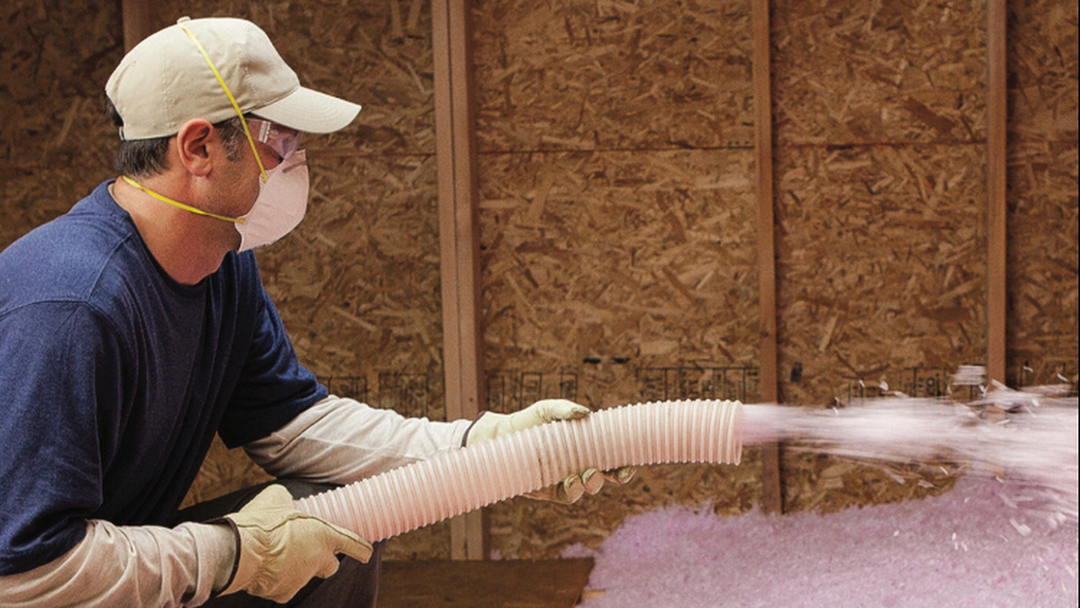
x=241, y=187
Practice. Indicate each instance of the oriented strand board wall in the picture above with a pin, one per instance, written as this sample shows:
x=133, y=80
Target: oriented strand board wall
x=55, y=143
x=881, y=220
x=617, y=216
x=880, y=210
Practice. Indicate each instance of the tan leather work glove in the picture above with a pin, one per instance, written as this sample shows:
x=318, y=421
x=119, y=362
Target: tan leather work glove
x=281, y=549
x=569, y=490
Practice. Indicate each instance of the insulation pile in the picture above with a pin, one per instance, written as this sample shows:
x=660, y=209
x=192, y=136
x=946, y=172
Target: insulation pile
x=1006, y=535
x=973, y=546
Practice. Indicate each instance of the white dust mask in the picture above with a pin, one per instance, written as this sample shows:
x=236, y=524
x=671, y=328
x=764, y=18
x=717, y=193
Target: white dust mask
x=280, y=206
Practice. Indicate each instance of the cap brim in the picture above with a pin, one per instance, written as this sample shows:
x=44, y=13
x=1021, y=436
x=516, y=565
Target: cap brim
x=310, y=111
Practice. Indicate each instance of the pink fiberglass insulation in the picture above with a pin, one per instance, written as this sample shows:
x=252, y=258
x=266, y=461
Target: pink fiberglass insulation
x=973, y=546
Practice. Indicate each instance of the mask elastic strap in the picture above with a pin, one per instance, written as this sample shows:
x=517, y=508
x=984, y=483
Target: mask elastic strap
x=236, y=106
x=189, y=208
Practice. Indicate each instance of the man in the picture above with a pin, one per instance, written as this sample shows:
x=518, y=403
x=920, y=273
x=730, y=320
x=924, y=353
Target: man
x=136, y=327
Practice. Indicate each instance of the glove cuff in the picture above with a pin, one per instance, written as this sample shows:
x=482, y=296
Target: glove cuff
x=225, y=589
x=468, y=431
x=485, y=428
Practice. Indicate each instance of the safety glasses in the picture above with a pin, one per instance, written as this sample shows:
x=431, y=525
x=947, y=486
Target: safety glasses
x=282, y=140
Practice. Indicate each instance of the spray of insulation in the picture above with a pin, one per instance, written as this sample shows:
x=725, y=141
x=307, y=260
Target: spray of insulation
x=1026, y=439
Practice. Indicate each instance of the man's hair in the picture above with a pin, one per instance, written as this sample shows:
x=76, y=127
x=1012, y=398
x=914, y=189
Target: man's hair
x=148, y=157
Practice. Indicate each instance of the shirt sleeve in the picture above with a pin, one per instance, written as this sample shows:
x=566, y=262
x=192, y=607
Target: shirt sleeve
x=341, y=441
x=60, y=362
x=129, y=566
x=273, y=386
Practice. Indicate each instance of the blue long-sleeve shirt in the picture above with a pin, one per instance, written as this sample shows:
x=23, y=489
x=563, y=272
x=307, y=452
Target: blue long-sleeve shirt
x=114, y=378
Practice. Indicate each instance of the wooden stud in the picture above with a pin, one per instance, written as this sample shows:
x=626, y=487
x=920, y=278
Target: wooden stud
x=996, y=141
x=137, y=22
x=771, y=494
x=459, y=240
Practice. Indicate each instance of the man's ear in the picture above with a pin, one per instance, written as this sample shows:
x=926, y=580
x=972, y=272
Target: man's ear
x=194, y=142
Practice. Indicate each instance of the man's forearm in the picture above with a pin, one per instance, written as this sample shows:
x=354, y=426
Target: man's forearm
x=129, y=566
x=341, y=440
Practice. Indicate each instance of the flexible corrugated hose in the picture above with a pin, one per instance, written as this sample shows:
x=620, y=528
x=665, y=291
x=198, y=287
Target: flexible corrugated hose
x=456, y=482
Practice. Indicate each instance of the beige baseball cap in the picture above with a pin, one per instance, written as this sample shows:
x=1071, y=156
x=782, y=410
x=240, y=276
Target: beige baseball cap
x=165, y=81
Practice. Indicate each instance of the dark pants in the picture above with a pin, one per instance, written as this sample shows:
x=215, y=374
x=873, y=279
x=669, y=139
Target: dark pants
x=354, y=585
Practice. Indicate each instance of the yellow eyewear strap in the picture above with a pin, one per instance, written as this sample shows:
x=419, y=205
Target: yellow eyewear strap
x=165, y=199
x=232, y=100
